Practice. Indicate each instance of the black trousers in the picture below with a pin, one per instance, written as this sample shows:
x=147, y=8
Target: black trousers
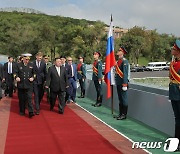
x=61, y=99
x=176, y=109
x=25, y=96
x=38, y=95
x=98, y=90
x=10, y=85
x=82, y=85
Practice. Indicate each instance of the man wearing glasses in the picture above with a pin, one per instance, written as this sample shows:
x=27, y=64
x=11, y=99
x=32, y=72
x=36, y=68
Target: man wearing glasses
x=24, y=75
x=72, y=77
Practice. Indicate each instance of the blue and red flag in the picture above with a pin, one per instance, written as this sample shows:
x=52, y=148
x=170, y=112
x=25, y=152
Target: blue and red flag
x=110, y=60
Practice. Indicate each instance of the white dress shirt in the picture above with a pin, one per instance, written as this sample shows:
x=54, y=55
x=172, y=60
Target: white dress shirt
x=58, y=70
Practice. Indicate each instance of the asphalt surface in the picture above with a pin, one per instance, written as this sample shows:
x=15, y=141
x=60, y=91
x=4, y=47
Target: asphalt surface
x=140, y=74
x=149, y=74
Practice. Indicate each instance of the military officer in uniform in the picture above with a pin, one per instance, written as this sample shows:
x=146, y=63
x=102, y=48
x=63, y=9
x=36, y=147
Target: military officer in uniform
x=121, y=79
x=81, y=75
x=24, y=75
x=174, y=86
x=97, y=78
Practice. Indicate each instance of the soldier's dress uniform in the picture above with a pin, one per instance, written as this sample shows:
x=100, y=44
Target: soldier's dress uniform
x=97, y=78
x=25, y=87
x=174, y=89
x=81, y=75
x=121, y=78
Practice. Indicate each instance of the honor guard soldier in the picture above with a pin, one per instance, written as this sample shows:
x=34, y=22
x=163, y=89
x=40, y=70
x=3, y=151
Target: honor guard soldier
x=24, y=75
x=81, y=75
x=97, y=78
x=121, y=78
x=174, y=87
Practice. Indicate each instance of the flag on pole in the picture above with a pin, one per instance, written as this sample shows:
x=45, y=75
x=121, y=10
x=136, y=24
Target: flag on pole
x=110, y=60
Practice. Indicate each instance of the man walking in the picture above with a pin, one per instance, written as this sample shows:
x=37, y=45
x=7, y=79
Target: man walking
x=39, y=67
x=72, y=77
x=24, y=75
x=9, y=68
x=57, y=81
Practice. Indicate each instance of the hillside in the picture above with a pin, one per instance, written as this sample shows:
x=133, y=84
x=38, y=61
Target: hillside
x=54, y=35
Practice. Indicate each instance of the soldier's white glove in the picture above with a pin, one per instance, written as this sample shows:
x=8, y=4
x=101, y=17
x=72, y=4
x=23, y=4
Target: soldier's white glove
x=31, y=79
x=100, y=82
x=124, y=88
x=18, y=79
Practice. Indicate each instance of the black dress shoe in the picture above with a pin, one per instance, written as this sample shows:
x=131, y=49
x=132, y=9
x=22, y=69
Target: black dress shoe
x=51, y=109
x=61, y=112
x=37, y=112
x=97, y=105
x=93, y=104
x=122, y=117
x=31, y=114
x=22, y=114
x=116, y=116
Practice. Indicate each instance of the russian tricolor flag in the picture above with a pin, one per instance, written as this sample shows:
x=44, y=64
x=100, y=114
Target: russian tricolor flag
x=110, y=60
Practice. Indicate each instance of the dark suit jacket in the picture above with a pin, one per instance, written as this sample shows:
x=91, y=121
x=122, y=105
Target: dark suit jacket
x=74, y=71
x=56, y=82
x=14, y=65
x=40, y=72
x=1, y=72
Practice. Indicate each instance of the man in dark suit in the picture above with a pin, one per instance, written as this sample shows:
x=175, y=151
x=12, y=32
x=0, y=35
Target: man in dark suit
x=48, y=64
x=24, y=75
x=57, y=81
x=9, y=68
x=72, y=78
x=68, y=72
x=39, y=67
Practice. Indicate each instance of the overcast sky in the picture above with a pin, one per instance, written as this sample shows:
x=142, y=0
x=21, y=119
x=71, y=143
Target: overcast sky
x=163, y=15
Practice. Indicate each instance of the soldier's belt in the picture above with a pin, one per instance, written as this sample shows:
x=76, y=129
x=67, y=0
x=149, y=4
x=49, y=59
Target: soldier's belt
x=174, y=81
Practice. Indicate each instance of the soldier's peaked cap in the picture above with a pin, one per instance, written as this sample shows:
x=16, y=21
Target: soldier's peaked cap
x=97, y=52
x=177, y=45
x=28, y=55
x=122, y=48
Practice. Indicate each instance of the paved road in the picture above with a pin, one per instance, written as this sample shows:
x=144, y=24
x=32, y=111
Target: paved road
x=141, y=74
x=149, y=74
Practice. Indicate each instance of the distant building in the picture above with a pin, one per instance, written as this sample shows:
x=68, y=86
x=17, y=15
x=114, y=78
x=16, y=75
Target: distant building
x=118, y=32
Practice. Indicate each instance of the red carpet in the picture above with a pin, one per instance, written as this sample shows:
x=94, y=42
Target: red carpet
x=53, y=133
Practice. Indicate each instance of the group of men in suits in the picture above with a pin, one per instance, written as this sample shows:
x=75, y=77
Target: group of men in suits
x=58, y=79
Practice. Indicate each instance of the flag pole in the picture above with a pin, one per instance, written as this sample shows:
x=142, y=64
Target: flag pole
x=112, y=99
